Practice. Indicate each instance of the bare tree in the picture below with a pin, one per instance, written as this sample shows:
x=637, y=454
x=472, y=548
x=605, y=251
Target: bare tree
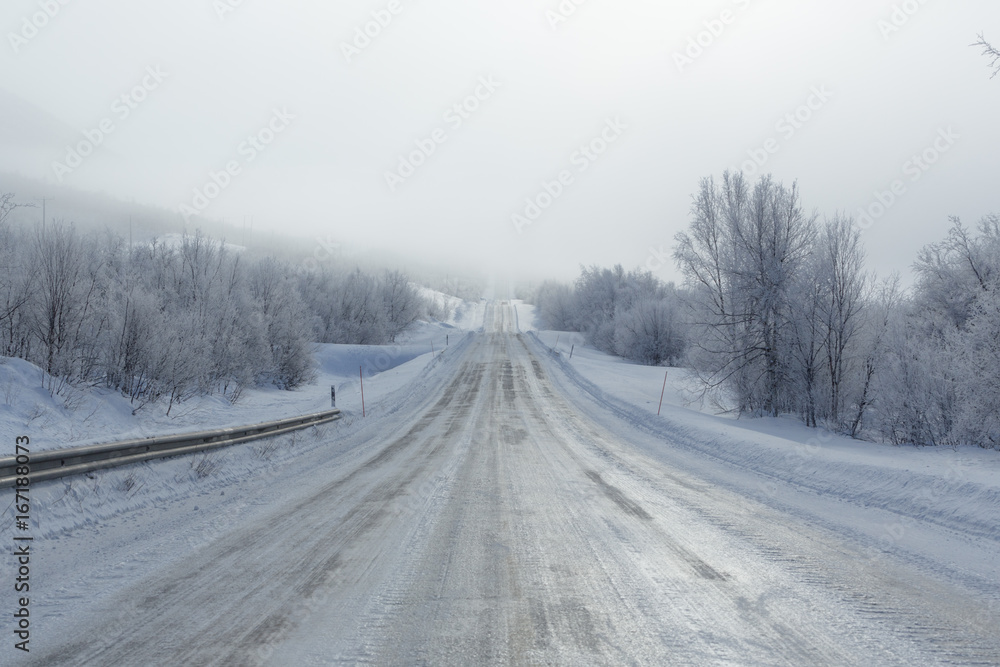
x=556, y=304
x=280, y=311
x=59, y=264
x=885, y=303
x=15, y=281
x=740, y=259
x=990, y=52
x=953, y=272
x=651, y=331
x=600, y=293
x=402, y=303
x=8, y=204
x=843, y=260
x=808, y=339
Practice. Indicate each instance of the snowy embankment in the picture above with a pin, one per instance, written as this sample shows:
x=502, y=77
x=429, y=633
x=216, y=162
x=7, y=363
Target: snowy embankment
x=79, y=417
x=936, y=506
x=64, y=506
x=74, y=417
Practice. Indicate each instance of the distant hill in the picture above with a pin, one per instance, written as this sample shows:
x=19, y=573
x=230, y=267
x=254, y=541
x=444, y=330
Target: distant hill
x=89, y=210
x=30, y=136
x=102, y=211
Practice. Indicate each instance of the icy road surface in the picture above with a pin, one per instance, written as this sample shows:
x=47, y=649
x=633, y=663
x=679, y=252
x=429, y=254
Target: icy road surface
x=496, y=523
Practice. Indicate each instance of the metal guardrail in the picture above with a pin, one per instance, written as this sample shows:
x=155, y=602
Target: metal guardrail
x=56, y=463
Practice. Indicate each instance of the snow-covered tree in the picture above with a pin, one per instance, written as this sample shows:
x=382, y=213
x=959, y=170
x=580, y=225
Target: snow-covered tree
x=281, y=313
x=176, y=319
x=937, y=387
x=16, y=284
x=633, y=315
x=807, y=339
x=884, y=304
x=740, y=257
x=598, y=292
x=977, y=369
x=844, y=289
x=58, y=260
x=651, y=331
x=401, y=301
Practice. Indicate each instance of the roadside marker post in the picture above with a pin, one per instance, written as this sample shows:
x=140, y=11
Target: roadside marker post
x=361, y=372
x=662, y=391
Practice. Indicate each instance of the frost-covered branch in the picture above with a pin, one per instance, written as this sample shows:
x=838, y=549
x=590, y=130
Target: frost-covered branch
x=990, y=52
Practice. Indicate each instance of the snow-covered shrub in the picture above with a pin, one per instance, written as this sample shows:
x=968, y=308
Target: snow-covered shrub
x=651, y=332
x=633, y=315
x=978, y=374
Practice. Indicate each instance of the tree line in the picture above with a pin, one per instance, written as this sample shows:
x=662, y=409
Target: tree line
x=630, y=314
x=779, y=313
x=157, y=320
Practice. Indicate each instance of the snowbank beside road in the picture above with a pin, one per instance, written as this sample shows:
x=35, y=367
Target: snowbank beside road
x=633, y=392
x=83, y=416
x=938, y=507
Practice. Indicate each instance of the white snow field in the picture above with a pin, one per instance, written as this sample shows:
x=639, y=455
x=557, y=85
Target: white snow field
x=502, y=503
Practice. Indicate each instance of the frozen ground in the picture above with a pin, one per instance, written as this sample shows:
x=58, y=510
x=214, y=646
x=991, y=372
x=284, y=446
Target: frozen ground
x=502, y=503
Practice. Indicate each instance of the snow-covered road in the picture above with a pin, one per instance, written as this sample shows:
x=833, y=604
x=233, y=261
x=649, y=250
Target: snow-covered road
x=494, y=522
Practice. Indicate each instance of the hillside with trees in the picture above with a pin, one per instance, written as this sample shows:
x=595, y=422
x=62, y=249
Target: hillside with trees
x=187, y=315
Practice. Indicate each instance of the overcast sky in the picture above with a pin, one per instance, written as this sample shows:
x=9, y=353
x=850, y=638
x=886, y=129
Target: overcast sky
x=659, y=93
